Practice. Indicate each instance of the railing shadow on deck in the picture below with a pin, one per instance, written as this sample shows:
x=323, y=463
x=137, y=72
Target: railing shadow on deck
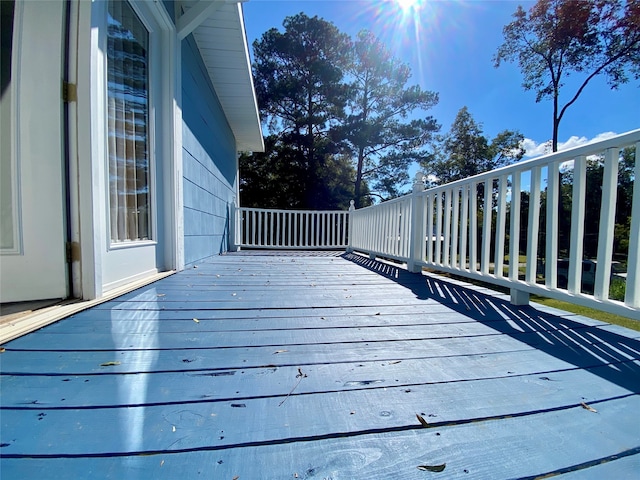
x=609, y=355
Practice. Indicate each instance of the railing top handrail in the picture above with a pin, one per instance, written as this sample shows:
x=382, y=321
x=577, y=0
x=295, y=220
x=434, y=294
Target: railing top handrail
x=623, y=140
x=403, y=198
x=280, y=210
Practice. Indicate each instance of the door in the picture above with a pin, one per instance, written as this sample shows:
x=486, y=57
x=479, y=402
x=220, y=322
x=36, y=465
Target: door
x=32, y=224
x=134, y=89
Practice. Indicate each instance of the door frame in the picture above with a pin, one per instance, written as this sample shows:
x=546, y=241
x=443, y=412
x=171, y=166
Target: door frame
x=90, y=210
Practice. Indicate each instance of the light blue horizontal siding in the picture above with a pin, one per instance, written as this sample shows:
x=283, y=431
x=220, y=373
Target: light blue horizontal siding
x=209, y=162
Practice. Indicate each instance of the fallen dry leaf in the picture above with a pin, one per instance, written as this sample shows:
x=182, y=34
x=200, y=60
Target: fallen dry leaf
x=432, y=468
x=196, y=320
x=161, y=295
x=2, y=350
x=235, y=478
x=162, y=463
x=587, y=407
x=280, y=351
x=109, y=364
x=422, y=420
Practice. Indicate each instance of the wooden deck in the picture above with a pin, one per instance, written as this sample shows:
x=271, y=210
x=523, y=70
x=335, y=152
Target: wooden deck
x=263, y=366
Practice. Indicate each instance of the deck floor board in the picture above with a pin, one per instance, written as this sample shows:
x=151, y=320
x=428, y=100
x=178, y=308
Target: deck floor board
x=304, y=366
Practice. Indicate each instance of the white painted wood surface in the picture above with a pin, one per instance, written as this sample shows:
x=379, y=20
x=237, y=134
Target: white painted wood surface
x=452, y=225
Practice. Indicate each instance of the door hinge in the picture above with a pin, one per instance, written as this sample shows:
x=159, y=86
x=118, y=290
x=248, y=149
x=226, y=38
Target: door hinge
x=72, y=251
x=69, y=92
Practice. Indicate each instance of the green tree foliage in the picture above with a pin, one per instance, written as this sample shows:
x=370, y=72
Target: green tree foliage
x=380, y=136
x=339, y=111
x=624, y=198
x=299, y=84
x=277, y=179
x=559, y=38
x=465, y=151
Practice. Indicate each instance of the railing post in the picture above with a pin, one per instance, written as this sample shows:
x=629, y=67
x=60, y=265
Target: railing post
x=352, y=208
x=417, y=237
x=233, y=225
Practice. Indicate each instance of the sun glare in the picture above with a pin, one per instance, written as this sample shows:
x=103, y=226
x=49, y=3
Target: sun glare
x=406, y=5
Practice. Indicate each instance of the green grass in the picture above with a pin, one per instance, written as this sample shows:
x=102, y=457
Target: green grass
x=588, y=312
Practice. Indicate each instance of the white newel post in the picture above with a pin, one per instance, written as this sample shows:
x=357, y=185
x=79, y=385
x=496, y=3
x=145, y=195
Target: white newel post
x=417, y=237
x=350, y=226
x=233, y=225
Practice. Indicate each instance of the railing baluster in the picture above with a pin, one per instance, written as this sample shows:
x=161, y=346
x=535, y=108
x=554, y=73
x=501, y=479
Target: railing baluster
x=473, y=228
x=333, y=229
x=501, y=222
x=447, y=228
x=438, y=253
x=551, y=230
x=486, y=227
x=607, y=219
x=576, y=246
x=454, y=232
x=430, y=229
x=514, y=226
x=464, y=230
x=255, y=230
x=632, y=294
x=533, y=226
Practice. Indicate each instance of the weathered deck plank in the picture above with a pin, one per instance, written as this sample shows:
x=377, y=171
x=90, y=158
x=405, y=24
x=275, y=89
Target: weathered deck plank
x=502, y=387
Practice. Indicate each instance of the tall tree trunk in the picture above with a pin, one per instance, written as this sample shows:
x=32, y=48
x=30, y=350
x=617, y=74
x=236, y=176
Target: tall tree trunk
x=312, y=177
x=358, y=184
x=556, y=123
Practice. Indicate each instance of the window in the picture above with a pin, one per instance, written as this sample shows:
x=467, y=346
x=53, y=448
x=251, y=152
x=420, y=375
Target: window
x=128, y=124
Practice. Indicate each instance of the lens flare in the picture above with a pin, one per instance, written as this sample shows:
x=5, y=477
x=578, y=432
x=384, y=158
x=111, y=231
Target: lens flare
x=406, y=5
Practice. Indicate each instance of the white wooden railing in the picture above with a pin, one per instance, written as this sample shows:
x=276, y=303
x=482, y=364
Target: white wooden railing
x=445, y=228
x=290, y=229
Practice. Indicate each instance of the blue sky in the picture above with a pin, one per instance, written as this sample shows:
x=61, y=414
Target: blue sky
x=449, y=46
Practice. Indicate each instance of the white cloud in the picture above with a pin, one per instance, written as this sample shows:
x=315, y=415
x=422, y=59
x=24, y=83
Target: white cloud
x=534, y=149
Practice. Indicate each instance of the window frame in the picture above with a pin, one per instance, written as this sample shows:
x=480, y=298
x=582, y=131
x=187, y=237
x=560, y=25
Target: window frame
x=154, y=95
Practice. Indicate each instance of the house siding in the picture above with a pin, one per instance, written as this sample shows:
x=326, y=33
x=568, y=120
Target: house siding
x=209, y=162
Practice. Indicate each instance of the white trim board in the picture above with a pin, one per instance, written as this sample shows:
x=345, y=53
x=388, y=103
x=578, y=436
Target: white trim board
x=46, y=316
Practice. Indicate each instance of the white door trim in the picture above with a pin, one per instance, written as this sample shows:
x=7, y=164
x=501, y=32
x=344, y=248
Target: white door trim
x=92, y=156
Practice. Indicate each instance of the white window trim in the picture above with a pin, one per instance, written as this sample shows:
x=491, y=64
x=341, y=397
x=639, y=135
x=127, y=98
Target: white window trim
x=155, y=90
